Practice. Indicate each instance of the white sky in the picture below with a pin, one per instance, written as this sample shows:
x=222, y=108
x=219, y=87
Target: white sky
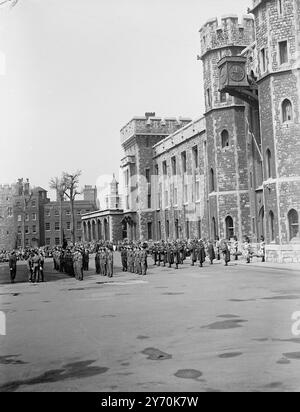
x=73, y=72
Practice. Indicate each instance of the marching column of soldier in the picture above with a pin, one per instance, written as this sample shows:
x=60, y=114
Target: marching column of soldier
x=134, y=256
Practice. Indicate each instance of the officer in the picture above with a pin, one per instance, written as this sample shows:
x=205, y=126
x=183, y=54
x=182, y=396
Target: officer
x=144, y=257
x=110, y=262
x=97, y=262
x=124, y=258
x=201, y=253
x=13, y=266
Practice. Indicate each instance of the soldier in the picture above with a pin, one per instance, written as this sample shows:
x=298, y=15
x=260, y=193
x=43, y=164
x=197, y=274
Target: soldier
x=124, y=259
x=193, y=249
x=13, y=266
x=86, y=258
x=211, y=252
x=136, y=261
x=97, y=262
x=144, y=257
x=42, y=262
x=103, y=262
x=201, y=253
x=218, y=248
x=110, y=262
x=170, y=255
x=78, y=264
x=30, y=267
x=235, y=247
x=154, y=254
x=36, y=266
x=226, y=253
x=247, y=249
x=262, y=249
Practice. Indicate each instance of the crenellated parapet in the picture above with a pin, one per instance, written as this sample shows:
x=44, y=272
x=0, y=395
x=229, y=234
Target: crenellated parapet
x=152, y=126
x=227, y=32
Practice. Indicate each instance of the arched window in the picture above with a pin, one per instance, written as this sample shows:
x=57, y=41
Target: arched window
x=293, y=218
x=261, y=222
x=287, y=111
x=271, y=226
x=225, y=139
x=229, y=227
x=269, y=164
x=212, y=180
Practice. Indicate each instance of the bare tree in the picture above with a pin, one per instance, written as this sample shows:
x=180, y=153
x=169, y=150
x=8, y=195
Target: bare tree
x=67, y=186
x=58, y=185
x=11, y=2
x=71, y=182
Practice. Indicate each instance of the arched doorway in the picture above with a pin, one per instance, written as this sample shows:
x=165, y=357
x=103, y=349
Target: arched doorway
x=93, y=230
x=99, y=229
x=106, y=229
x=229, y=227
x=89, y=231
x=261, y=223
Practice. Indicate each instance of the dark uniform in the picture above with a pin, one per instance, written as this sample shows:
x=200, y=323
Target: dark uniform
x=13, y=267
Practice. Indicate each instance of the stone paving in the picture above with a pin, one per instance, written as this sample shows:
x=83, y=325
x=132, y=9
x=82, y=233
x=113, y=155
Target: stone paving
x=210, y=329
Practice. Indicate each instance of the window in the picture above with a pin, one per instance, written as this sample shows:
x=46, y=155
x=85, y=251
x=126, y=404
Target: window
x=26, y=242
x=33, y=203
x=48, y=241
x=47, y=212
x=56, y=226
x=18, y=204
x=208, y=97
x=225, y=139
x=166, y=198
x=168, y=229
x=174, y=166
x=19, y=230
x=27, y=217
x=175, y=196
x=197, y=190
x=263, y=60
x=149, y=230
x=293, y=219
x=149, y=201
x=33, y=229
x=177, y=229
x=165, y=169
x=195, y=157
x=156, y=170
x=9, y=211
x=223, y=97
x=57, y=241
x=271, y=226
x=26, y=230
x=68, y=212
x=283, y=52
x=212, y=180
x=68, y=225
x=187, y=228
x=183, y=161
x=19, y=218
x=127, y=178
x=33, y=216
x=229, y=227
x=47, y=226
x=159, y=230
x=199, y=229
x=56, y=212
x=269, y=164
x=287, y=113
x=185, y=194
x=280, y=7
x=148, y=175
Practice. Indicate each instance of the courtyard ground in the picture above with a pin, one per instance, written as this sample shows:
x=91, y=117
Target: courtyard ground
x=210, y=329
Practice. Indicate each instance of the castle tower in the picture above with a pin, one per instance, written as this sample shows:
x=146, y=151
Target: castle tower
x=277, y=25
x=138, y=138
x=7, y=224
x=226, y=147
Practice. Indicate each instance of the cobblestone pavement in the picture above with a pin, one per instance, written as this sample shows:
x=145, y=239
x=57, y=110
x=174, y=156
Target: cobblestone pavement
x=210, y=329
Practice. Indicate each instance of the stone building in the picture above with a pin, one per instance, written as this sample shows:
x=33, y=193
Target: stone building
x=57, y=214
x=236, y=170
x=7, y=227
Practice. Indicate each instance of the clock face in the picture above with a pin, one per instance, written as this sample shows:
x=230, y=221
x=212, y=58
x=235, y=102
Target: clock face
x=237, y=73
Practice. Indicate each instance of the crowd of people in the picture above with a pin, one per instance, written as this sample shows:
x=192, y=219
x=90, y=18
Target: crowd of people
x=74, y=260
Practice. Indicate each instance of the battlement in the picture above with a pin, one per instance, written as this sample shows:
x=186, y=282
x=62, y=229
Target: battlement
x=152, y=126
x=6, y=188
x=228, y=32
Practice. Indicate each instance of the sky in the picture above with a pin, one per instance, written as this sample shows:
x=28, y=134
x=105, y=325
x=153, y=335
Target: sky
x=74, y=72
